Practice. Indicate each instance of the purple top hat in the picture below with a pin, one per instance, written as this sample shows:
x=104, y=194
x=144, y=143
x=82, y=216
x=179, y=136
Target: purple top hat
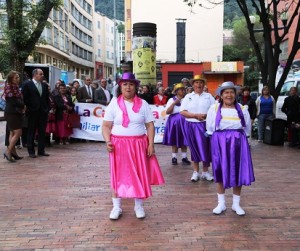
x=128, y=77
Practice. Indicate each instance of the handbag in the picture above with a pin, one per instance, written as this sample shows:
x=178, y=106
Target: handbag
x=73, y=120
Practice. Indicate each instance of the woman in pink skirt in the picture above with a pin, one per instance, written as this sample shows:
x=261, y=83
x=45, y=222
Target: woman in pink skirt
x=128, y=131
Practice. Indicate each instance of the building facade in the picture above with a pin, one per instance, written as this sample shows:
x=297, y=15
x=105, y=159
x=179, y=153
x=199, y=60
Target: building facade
x=69, y=39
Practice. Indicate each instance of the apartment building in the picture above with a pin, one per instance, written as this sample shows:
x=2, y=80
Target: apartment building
x=104, y=30
x=69, y=40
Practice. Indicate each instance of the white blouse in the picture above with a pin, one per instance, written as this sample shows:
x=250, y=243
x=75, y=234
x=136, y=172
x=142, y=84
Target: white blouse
x=196, y=103
x=136, y=126
x=229, y=120
x=176, y=108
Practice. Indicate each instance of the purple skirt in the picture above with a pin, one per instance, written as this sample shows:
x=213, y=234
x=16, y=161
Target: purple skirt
x=173, y=135
x=231, y=158
x=197, y=141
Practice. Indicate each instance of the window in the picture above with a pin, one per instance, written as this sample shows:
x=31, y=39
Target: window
x=286, y=88
x=56, y=34
x=99, y=52
x=99, y=25
x=99, y=39
x=61, y=41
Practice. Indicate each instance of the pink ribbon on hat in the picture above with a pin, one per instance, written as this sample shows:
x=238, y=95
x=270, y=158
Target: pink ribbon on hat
x=137, y=104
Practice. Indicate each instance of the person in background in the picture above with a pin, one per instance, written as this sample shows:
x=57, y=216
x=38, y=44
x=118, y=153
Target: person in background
x=86, y=93
x=13, y=113
x=229, y=125
x=205, y=88
x=169, y=93
x=186, y=82
x=36, y=98
x=265, y=105
x=76, y=85
x=95, y=84
x=128, y=131
x=189, y=90
x=245, y=99
x=175, y=125
x=51, y=123
x=147, y=95
x=74, y=95
x=194, y=108
x=102, y=96
x=63, y=106
x=55, y=91
x=160, y=98
x=291, y=107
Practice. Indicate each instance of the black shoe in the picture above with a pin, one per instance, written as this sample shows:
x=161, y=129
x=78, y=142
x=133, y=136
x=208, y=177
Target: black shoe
x=185, y=161
x=174, y=161
x=44, y=154
x=8, y=157
x=32, y=155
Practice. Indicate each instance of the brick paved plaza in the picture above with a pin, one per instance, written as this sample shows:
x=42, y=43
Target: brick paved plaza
x=62, y=202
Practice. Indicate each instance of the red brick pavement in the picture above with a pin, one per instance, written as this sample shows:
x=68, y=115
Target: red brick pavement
x=62, y=202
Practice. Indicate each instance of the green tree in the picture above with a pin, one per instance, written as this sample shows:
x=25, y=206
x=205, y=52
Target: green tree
x=269, y=14
x=22, y=27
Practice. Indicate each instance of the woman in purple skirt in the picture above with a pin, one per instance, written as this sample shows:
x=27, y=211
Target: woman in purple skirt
x=173, y=135
x=194, y=108
x=229, y=123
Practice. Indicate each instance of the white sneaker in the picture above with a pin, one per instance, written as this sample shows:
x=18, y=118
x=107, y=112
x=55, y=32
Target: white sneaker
x=207, y=176
x=195, y=177
x=219, y=209
x=239, y=211
x=115, y=213
x=139, y=212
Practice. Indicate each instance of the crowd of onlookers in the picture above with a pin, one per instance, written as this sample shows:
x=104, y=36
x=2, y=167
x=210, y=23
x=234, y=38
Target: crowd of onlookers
x=53, y=106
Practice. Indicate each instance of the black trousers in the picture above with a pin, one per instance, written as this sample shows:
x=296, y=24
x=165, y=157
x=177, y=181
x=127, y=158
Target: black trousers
x=37, y=122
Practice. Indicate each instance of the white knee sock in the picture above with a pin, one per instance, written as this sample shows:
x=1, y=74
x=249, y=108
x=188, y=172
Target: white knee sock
x=116, y=202
x=236, y=200
x=184, y=155
x=138, y=202
x=221, y=199
x=174, y=155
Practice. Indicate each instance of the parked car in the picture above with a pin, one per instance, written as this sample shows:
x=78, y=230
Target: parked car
x=284, y=92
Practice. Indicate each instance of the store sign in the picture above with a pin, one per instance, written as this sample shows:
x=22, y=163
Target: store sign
x=224, y=66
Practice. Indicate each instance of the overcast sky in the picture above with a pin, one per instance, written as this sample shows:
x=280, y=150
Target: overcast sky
x=204, y=28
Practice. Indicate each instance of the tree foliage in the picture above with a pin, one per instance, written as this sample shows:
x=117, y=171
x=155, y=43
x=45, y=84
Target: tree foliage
x=22, y=27
x=269, y=14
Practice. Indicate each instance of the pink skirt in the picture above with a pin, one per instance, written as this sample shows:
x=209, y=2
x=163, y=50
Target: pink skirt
x=132, y=171
x=62, y=131
x=51, y=124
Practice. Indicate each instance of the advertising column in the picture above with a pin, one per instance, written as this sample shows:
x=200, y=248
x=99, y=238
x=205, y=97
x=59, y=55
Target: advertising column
x=144, y=52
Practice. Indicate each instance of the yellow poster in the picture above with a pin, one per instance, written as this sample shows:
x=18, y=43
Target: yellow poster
x=144, y=60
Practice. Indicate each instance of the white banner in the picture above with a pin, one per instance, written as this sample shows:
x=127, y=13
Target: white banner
x=91, y=119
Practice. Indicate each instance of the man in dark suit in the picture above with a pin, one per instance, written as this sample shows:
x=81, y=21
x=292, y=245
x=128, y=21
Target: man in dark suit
x=36, y=99
x=86, y=93
x=102, y=95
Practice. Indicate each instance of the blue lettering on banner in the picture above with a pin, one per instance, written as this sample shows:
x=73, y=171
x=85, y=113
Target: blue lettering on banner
x=160, y=129
x=90, y=127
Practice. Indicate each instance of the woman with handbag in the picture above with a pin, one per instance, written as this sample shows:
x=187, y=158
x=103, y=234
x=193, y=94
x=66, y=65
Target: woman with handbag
x=13, y=114
x=64, y=106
